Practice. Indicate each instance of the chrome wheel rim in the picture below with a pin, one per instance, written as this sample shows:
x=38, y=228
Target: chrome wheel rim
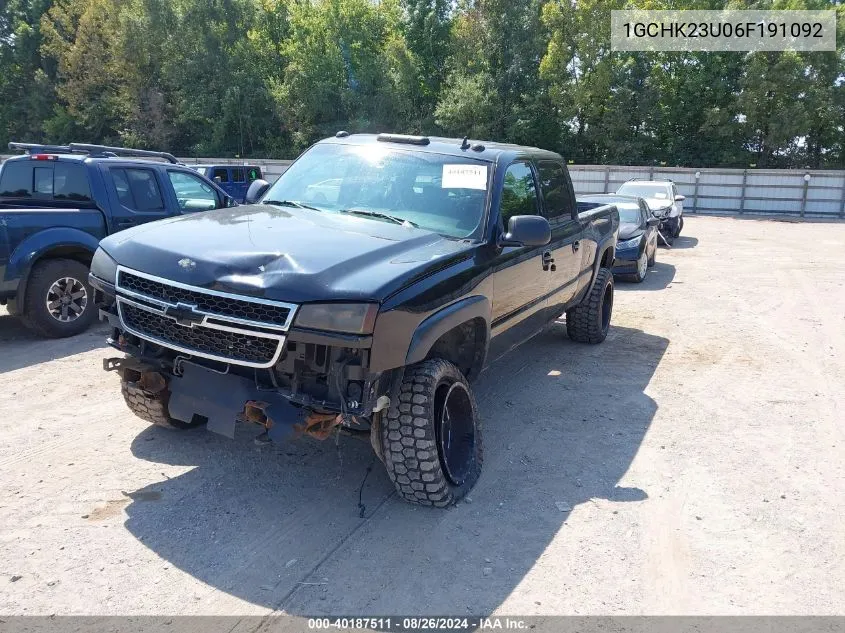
x=642, y=265
x=66, y=299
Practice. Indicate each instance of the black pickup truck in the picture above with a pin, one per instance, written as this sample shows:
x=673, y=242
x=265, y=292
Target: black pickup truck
x=372, y=283
x=57, y=202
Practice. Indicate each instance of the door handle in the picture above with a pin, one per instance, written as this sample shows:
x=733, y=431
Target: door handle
x=576, y=245
x=125, y=224
x=548, y=261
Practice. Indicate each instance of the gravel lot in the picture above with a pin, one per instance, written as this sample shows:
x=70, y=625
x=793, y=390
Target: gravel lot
x=693, y=464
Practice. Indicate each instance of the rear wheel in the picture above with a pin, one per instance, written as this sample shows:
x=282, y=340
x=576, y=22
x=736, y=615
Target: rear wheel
x=589, y=321
x=58, y=301
x=431, y=437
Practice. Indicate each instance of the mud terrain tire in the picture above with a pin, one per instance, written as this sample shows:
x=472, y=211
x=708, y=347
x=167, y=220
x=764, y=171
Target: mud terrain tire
x=431, y=460
x=589, y=321
x=151, y=407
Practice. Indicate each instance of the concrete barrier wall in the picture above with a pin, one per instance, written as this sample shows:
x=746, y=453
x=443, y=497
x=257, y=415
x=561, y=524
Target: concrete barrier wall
x=810, y=193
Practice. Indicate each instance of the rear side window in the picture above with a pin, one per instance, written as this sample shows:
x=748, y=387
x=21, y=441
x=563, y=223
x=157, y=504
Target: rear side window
x=253, y=173
x=555, y=189
x=222, y=173
x=16, y=180
x=237, y=174
x=137, y=189
x=59, y=181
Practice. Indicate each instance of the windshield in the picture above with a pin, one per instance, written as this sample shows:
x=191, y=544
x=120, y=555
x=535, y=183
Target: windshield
x=444, y=194
x=629, y=212
x=645, y=190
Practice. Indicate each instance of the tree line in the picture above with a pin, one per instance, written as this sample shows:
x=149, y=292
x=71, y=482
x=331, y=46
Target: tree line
x=265, y=78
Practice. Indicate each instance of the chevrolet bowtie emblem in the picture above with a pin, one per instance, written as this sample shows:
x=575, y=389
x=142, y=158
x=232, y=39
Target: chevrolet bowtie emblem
x=184, y=314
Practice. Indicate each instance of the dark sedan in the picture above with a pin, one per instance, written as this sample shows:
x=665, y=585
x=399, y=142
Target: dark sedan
x=637, y=245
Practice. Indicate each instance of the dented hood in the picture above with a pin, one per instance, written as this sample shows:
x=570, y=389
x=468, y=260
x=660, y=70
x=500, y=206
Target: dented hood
x=287, y=254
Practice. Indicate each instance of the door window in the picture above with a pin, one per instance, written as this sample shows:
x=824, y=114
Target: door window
x=222, y=173
x=137, y=189
x=556, y=192
x=519, y=194
x=192, y=193
x=237, y=174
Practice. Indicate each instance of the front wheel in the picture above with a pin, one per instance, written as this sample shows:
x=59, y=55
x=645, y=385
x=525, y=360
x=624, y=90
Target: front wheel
x=680, y=225
x=431, y=437
x=589, y=321
x=147, y=397
x=642, y=269
x=58, y=301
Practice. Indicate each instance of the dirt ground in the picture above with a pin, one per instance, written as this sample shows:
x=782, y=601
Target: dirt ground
x=692, y=464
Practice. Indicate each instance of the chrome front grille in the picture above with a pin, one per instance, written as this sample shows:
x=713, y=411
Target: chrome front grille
x=221, y=326
x=266, y=313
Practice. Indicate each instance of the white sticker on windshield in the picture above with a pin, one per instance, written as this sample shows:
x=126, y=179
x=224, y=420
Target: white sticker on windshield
x=464, y=177
x=659, y=195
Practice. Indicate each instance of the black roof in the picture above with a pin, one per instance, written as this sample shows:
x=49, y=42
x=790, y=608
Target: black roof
x=482, y=150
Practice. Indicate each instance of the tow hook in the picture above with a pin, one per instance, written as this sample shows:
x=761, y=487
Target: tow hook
x=319, y=425
x=254, y=413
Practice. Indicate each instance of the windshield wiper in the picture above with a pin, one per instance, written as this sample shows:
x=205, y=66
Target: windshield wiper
x=378, y=214
x=291, y=203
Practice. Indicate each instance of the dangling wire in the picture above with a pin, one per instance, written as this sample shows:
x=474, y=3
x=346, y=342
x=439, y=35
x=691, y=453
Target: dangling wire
x=361, y=507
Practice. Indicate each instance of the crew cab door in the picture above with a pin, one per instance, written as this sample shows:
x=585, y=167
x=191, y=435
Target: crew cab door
x=136, y=195
x=520, y=282
x=565, y=247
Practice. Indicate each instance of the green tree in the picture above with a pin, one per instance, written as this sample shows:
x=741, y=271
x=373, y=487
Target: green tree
x=497, y=46
x=26, y=88
x=346, y=68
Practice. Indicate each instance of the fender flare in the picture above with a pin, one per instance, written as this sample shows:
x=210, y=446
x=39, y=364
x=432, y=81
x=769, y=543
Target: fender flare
x=445, y=319
x=36, y=246
x=599, y=257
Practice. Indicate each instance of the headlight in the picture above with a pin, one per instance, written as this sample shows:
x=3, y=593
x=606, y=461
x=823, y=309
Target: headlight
x=354, y=318
x=634, y=242
x=103, y=266
x=661, y=212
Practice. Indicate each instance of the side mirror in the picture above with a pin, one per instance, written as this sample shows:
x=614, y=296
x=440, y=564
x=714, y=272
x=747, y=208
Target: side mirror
x=527, y=230
x=680, y=198
x=653, y=221
x=256, y=190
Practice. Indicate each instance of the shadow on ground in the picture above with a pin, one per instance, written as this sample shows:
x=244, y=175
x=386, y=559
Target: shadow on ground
x=279, y=526
x=22, y=348
x=659, y=276
x=684, y=241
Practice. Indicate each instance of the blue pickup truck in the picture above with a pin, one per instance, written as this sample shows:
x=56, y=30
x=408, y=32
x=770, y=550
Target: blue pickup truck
x=57, y=202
